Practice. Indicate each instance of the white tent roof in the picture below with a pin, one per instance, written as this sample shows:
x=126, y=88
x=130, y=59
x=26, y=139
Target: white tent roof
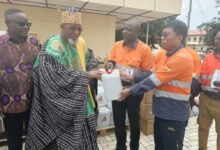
x=121, y=12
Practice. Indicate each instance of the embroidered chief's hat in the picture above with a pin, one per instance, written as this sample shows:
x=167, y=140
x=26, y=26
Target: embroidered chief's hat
x=71, y=15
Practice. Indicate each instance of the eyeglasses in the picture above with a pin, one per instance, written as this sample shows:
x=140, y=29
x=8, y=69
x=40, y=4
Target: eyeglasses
x=164, y=34
x=23, y=24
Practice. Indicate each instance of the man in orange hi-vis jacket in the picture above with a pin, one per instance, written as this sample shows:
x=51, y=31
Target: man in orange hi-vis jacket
x=171, y=81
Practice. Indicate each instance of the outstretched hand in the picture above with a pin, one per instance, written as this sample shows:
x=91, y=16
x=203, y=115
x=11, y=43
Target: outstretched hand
x=125, y=92
x=96, y=74
x=125, y=75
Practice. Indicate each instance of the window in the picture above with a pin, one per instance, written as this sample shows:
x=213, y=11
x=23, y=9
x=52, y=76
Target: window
x=189, y=39
x=194, y=39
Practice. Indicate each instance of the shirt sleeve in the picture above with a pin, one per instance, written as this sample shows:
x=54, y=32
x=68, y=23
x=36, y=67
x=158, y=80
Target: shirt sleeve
x=158, y=57
x=171, y=70
x=112, y=54
x=139, y=76
x=196, y=63
x=147, y=59
x=165, y=73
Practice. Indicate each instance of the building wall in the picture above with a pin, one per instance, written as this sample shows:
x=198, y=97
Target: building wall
x=165, y=6
x=168, y=6
x=196, y=42
x=195, y=39
x=98, y=30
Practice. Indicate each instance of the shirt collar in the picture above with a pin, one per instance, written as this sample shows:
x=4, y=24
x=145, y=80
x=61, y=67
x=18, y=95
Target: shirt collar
x=14, y=40
x=133, y=45
x=173, y=51
x=6, y=36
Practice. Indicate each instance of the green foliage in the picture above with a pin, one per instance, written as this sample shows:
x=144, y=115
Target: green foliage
x=211, y=28
x=154, y=31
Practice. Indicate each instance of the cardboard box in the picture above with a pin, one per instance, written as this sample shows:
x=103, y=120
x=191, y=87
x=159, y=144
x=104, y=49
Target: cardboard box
x=146, y=111
x=103, y=117
x=148, y=97
x=147, y=126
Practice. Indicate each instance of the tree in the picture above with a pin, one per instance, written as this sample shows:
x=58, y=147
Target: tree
x=211, y=28
x=154, y=31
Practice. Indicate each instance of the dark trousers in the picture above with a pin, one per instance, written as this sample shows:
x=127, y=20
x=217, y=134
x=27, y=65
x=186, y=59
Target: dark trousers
x=168, y=134
x=132, y=105
x=14, y=128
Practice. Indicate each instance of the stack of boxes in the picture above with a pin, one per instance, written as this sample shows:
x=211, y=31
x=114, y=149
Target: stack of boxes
x=146, y=115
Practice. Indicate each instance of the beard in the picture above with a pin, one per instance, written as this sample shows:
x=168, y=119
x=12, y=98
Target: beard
x=72, y=42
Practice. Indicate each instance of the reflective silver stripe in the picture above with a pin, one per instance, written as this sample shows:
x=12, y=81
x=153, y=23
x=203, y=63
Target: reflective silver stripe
x=206, y=77
x=179, y=97
x=180, y=84
x=208, y=88
x=154, y=79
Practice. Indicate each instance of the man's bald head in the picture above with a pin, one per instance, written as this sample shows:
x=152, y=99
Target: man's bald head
x=17, y=23
x=133, y=24
x=10, y=13
x=131, y=30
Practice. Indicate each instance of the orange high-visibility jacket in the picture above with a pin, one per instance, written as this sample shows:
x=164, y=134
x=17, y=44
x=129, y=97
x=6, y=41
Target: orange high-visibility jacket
x=171, y=82
x=209, y=65
x=196, y=61
x=192, y=52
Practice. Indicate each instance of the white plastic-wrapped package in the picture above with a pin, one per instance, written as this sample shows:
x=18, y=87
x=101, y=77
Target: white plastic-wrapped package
x=101, y=97
x=99, y=83
x=103, y=117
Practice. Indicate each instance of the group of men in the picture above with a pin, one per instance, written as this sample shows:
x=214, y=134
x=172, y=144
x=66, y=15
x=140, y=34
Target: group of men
x=52, y=90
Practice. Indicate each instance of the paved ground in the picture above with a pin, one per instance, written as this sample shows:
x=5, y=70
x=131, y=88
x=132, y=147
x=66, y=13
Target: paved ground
x=146, y=142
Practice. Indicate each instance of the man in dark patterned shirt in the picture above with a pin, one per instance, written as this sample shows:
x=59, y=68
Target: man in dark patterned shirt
x=17, y=55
